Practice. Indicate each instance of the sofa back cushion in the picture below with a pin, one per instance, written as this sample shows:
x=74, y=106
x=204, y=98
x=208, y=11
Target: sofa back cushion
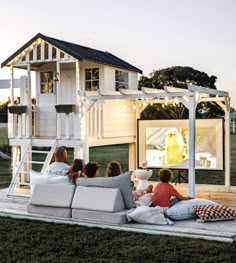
x=123, y=182
x=52, y=195
x=98, y=199
x=47, y=178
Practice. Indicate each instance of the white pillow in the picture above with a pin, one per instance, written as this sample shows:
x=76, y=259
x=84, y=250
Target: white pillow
x=144, y=200
x=47, y=178
x=149, y=215
x=185, y=209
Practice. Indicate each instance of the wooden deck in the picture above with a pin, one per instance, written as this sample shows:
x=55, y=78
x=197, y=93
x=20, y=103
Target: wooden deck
x=218, y=193
x=224, y=231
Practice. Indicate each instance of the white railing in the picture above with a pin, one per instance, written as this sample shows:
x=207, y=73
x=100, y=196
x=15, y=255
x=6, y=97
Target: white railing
x=17, y=124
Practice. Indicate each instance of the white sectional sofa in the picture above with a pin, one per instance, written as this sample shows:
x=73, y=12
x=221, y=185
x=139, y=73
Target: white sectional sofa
x=104, y=200
x=101, y=199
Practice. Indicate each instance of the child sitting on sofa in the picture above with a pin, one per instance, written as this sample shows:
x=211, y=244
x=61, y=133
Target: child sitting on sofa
x=76, y=170
x=91, y=170
x=163, y=191
x=113, y=169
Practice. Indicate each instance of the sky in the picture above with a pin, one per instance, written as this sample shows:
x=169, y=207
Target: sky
x=149, y=34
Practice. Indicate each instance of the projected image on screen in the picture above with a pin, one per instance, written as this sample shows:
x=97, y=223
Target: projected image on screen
x=167, y=146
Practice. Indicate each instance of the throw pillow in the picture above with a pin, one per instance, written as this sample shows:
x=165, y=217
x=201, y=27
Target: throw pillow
x=121, y=181
x=149, y=215
x=214, y=213
x=184, y=210
x=144, y=200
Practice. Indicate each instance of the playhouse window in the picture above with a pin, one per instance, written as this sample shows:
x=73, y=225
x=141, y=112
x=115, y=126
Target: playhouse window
x=121, y=80
x=46, y=82
x=92, y=79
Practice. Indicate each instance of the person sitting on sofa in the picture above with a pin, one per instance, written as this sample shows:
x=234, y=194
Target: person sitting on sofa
x=59, y=167
x=76, y=170
x=91, y=170
x=163, y=191
x=113, y=169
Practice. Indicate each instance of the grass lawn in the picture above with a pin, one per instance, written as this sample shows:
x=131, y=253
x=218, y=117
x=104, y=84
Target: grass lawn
x=32, y=241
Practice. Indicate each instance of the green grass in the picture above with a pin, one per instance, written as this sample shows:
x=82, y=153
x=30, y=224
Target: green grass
x=3, y=137
x=32, y=241
x=5, y=166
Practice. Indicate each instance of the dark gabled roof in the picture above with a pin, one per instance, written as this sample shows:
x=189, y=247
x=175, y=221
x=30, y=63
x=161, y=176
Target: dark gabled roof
x=79, y=52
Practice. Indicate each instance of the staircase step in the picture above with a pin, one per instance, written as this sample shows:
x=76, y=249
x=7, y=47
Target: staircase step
x=19, y=195
x=35, y=151
x=35, y=162
x=24, y=172
x=18, y=183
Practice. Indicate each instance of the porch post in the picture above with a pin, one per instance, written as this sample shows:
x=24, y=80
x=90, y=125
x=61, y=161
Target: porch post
x=58, y=101
x=11, y=119
x=77, y=110
x=12, y=84
x=191, y=145
x=28, y=116
x=227, y=142
x=227, y=161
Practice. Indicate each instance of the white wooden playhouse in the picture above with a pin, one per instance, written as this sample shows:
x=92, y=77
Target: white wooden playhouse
x=84, y=98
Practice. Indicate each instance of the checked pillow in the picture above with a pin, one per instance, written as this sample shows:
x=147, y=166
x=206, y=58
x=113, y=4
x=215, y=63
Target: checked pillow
x=214, y=212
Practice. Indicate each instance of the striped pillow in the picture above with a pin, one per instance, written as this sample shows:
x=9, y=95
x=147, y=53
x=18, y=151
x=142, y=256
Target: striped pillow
x=214, y=212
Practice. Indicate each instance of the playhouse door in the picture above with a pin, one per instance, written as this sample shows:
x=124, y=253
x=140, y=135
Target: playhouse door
x=67, y=82
x=67, y=96
x=47, y=115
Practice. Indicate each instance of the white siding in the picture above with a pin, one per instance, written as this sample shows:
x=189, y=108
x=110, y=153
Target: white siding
x=109, y=79
x=119, y=119
x=133, y=80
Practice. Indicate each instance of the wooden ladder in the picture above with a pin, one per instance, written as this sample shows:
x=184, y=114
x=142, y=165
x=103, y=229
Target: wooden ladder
x=22, y=171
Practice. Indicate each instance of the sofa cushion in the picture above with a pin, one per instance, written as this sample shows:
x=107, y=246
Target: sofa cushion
x=100, y=217
x=49, y=211
x=185, y=209
x=47, y=178
x=52, y=195
x=98, y=199
x=121, y=181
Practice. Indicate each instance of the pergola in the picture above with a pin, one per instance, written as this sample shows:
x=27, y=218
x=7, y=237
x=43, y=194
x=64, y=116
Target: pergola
x=190, y=97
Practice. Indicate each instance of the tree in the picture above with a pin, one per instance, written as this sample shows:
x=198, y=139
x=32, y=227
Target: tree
x=179, y=77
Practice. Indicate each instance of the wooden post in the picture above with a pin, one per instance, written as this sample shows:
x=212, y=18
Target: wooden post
x=132, y=156
x=58, y=100
x=137, y=113
x=11, y=116
x=226, y=108
x=191, y=145
x=28, y=118
x=227, y=147
x=67, y=126
x=77, y=110
x=12, y=85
